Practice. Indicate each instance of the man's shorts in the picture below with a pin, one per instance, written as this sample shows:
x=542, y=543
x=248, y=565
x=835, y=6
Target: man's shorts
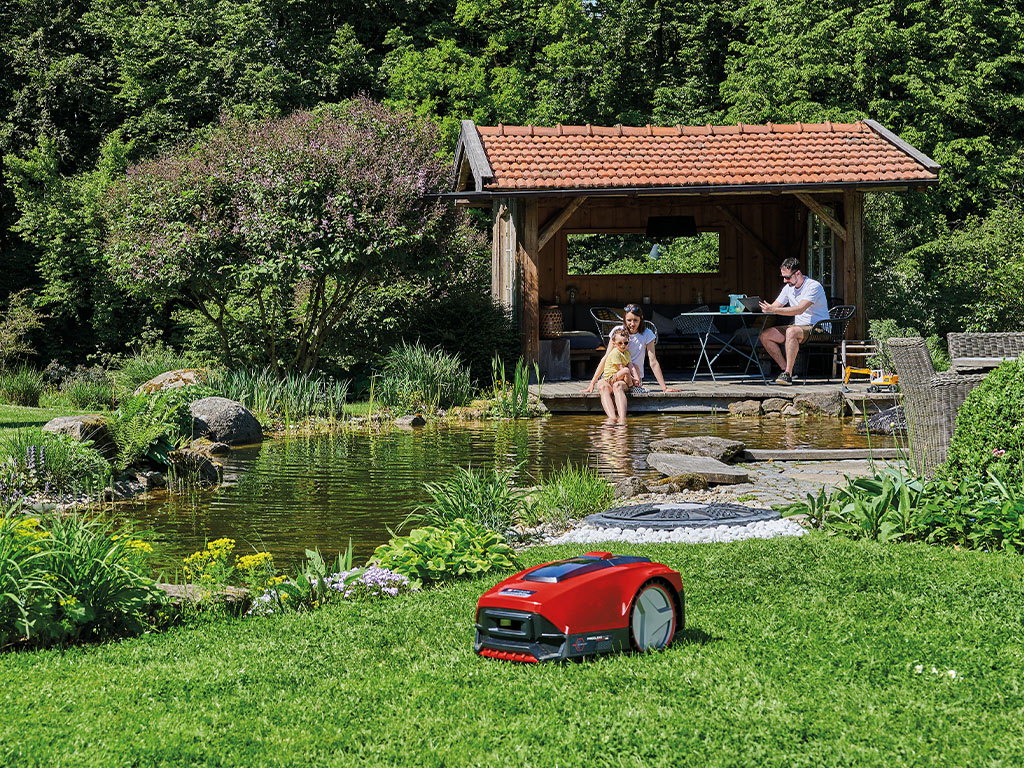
x=805, y=331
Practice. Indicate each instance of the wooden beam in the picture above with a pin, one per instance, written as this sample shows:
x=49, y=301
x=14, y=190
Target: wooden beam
x=853, y=261
x=822, y=213
x=556, y=223
x=748, y=232
x=530, y=297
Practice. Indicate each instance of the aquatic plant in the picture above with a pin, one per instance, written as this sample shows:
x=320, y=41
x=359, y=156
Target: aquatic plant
x=415, y=378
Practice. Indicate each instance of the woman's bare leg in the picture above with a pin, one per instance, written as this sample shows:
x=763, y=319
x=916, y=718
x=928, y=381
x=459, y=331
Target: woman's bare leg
x=619, y=390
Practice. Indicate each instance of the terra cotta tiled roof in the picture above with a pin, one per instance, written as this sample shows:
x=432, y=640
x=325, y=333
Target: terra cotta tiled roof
x=581, y=157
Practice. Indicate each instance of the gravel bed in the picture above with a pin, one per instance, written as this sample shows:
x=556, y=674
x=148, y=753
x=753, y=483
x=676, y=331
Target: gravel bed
x=767, y=529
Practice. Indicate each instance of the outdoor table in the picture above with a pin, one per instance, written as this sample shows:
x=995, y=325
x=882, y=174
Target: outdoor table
x=966, y=364
x=704, y=336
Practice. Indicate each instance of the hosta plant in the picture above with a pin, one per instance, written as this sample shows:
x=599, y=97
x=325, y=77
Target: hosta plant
x=462, y=548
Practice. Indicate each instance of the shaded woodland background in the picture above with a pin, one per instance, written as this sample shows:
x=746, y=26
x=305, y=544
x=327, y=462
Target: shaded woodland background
x=88, y=87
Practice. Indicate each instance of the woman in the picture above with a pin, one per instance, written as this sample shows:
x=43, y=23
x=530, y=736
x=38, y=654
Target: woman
x=641, y=341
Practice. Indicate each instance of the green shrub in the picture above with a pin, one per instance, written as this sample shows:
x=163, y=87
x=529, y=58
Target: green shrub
x=21, y=387
x=415, y=378
x=571, y=492
x=293, y=396
x=461, y=548
x=67, y=578
x=989, y=432
x=41, y=461
x=488, y=499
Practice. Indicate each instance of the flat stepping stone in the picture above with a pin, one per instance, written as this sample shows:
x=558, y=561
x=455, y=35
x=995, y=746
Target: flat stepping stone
x=712, y=470
x=821, y=454
x=679, y=515
x=702, y=445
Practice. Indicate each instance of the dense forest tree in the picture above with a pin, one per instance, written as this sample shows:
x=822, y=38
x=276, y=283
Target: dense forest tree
x=88, y=87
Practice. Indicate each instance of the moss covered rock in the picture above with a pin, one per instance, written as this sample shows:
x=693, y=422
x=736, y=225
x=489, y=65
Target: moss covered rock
x=990, y=428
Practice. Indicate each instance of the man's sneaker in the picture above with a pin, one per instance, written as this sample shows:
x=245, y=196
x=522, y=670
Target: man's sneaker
x=784, y=379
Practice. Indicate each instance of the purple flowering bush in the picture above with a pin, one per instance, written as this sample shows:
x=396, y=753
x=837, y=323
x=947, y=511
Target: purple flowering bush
x=292, y=219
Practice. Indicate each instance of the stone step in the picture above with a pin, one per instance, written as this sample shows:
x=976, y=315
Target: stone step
x=712, y=470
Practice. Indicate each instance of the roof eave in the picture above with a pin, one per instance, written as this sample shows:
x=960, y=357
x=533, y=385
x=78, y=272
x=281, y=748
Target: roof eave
x=730, y=189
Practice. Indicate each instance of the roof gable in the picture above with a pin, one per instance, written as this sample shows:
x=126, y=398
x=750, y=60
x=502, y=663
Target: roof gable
x=511, y=159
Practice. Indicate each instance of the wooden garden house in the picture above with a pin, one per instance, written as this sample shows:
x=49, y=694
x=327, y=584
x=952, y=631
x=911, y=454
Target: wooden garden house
x=767, y=191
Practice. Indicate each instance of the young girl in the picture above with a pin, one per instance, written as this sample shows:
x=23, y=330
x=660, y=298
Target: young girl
x=641, y=343
x=618, y=365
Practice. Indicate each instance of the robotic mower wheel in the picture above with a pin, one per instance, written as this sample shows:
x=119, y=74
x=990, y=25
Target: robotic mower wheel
x=652, y=619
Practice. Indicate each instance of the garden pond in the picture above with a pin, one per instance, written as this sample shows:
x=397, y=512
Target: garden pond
x=303, y=492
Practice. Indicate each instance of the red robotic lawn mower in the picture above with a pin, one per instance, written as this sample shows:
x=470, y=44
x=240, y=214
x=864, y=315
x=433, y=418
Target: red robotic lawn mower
x=595, y=603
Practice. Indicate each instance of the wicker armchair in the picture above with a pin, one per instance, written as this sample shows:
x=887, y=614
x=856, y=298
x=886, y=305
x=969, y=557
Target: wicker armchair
x=965, y=347
x=930, y=401
x=606, y=319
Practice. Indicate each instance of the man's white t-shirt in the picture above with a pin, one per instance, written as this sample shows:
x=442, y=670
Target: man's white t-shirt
x=637, y=346
x=809, y=290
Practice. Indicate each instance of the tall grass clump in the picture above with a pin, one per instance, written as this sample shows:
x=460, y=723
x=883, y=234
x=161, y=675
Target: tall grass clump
x=21, y=386
x=88, y=393
x=69, y=578
x=34, y=460
x=571, y=492
x=415, y=378
x=136, y=370
x=486, y=498
x=512, y=399
x=294, y=396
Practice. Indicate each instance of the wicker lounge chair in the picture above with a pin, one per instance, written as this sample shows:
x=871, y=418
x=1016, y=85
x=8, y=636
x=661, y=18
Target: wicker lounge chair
x=981, y=351
x=930, y=401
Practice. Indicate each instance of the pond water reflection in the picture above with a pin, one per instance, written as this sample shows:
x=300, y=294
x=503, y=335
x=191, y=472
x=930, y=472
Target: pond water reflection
x=288, y=495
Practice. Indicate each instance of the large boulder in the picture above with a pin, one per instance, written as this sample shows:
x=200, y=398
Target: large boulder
x=224, y=421
x=702, y=445
x=185, y=377
x=190, y=465
x=828, y=403
x=91, y=427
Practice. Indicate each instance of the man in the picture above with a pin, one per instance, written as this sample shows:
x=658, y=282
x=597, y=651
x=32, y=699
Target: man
x=804, y=300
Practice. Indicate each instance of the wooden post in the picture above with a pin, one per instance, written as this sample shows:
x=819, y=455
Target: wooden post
x=529, y=254
x=853, y=260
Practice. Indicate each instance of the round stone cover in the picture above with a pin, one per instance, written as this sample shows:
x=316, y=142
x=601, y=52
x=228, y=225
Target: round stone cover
x=679, y=515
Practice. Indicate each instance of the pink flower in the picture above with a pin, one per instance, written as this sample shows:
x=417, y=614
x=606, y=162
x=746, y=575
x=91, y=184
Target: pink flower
x=998, y=451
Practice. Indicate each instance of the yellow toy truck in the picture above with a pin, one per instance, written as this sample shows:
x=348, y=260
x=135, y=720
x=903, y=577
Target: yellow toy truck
x=879, y=380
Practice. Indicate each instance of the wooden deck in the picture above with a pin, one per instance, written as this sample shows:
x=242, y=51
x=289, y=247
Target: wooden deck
x=704, y=396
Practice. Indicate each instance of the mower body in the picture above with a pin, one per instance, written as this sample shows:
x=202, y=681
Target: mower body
x=577, y=607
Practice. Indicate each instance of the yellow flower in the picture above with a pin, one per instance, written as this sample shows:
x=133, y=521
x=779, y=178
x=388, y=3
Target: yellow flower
x=255, y=562
x=139, y=547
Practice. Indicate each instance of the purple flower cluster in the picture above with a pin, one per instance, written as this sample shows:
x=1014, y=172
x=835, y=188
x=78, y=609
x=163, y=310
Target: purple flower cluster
x=362, y=583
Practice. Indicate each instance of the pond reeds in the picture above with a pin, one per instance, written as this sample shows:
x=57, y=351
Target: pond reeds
x=512, y=400
x=417, y=379
x=293, y=397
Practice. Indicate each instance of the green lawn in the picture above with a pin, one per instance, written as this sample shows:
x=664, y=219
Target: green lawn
x=796, y=652
x=17, y=416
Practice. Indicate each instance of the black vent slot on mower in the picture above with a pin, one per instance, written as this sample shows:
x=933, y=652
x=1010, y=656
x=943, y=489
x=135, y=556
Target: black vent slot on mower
x=520, y=631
